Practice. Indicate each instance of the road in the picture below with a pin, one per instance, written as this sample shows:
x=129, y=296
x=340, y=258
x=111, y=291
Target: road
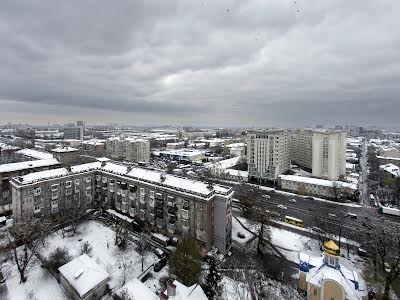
x=364, y=194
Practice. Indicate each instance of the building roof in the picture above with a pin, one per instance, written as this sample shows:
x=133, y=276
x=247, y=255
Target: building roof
x=181, y=152
x=35, y=153
x=187, y=185
x=24, y=165
x=388, y=157
x=343, y=276
x=317, y=181
x=183, y=292
x=83, y=274
x=136, y=290
x=392, y=169
x=64, y=149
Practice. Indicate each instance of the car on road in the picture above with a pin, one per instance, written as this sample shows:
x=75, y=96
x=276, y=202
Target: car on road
x=282, y=206
x=292, y=201
x=266, y=196
x=159, y=253
x=161, y=264
x=309, y=198
x=332, y=215
x=351, y=216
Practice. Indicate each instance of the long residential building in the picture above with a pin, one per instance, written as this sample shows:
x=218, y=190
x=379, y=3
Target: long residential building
x=7, y=171
x=268, y=153
x=171, y=205
x=323, y=152
x=131, y=149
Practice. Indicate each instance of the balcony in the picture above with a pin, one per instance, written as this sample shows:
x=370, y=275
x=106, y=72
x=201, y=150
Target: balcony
x=185, y=213
x=132, y=211
x=124, y=193
x=159, y=204
x=98, y=177
x=171, y=228
x=104, y=187
x=54, y=196
x=159, y=223
x=68, y=191
x=37, y=191
x=132, y=196
x=88, y=187
x=159, y=196
x=142, y=200
x=185, y=226
x=88, y=179
x=172, y=210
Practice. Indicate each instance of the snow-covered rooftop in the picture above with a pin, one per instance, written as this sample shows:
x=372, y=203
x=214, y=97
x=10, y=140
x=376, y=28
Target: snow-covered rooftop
x=4, y=146
x=317, y=181
x=42, y=175
x=83, y=274
x=343, y=276
x=150, y=176
x=64, y=149
x=226, y=163
x=12, y=167
x=388, y=157
x=392, y=169
x=102, y=158
x=182, y=152
x=35, y=153
x=86, y=167
x=183, y=292
x=136, y=290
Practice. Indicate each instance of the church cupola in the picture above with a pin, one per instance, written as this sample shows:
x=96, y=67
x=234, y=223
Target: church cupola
x=332, y=254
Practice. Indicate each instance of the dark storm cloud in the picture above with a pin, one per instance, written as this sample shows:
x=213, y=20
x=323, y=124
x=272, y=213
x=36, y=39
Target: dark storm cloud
x=222, y=62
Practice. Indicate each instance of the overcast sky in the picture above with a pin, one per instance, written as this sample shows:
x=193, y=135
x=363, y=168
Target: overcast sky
x=203, y=62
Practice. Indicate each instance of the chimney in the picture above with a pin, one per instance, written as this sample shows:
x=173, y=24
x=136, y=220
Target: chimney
x=163, y=296
x=171, y=289
x=128, y=169
x=103, y=164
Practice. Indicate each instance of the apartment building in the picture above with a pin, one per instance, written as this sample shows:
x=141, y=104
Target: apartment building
x=268, y=153
x=131, y=149
x=322, y=152
x=7, y=171
x=73, y=133
x=171, y=205
x=329, y=154
x=301, y=148
x=138, y=150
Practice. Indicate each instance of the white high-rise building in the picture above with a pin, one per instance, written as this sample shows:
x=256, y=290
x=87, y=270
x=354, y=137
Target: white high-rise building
x=329, y=154
x=320, y=151
x=268, y=153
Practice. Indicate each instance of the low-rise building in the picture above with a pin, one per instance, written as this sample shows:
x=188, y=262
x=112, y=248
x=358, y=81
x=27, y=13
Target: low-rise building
x=84, y=279
x=318, y=187
x=182, y=155
x=66, y=155
x=94, y=145
x=171, y=205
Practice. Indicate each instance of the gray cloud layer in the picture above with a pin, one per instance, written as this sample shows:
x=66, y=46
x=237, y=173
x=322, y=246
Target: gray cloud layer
x=225, y=62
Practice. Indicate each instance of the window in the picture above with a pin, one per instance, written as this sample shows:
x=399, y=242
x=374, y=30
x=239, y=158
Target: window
x=77, y=182
x=141, y=191
x=68, y=184
x=151, y=194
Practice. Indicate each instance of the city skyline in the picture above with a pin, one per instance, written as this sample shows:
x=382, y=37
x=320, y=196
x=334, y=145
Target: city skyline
x=259, y=63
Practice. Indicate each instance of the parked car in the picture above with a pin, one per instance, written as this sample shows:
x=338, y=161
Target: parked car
x=292, y=201
x=266, y=196
x=161, y=264
x=332, y=215
x=309, y=198
x=282, y=206
x=159, y=253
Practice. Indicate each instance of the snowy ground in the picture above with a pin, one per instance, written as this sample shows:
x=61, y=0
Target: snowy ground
x=41, y=285
x=291, y=244
x=104, y=252
x=236, y=228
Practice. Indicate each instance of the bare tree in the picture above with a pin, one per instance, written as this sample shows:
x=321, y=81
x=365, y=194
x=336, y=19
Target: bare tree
x=142, y=247
x=122, y=230
x=383, y=244
x=72, y=213
x=336, y=191
x=24, y=239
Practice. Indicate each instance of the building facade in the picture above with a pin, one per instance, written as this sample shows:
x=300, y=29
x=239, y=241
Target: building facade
x=322, y=152
x=329, y=154
x=301, y=148
x=138, y=150
x=73, y=133
x=7, y=171
x=134, y=150
x=169, y=204
x=268, y=153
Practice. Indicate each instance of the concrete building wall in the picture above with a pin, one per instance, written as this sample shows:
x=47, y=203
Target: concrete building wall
x=268, y=153
x=168, y=211
x=329, y=154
